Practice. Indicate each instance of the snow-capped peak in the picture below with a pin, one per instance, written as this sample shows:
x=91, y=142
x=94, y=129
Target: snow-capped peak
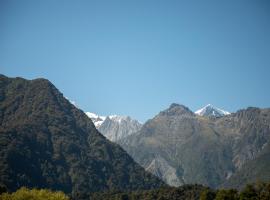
x=210, y=110
x=115, y=127
x=97, y=120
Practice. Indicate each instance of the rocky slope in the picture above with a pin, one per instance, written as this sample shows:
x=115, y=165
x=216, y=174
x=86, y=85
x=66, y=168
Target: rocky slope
x=46, y=142
x=115, y=127
x=199, y=149
x=252, y=171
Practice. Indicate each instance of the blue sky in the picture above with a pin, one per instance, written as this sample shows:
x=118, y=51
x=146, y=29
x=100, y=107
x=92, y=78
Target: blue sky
x=137, y=57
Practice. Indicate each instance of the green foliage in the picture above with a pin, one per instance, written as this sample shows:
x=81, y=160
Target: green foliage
x=2, y=189
x=34, y=194
x=186, y=192
x=207, y=194
x=257, y=191
x=230, y=194
x=249, y=193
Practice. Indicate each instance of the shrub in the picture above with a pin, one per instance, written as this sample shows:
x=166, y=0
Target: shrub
x=34, y=194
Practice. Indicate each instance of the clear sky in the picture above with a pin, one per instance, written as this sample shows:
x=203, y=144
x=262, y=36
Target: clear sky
x=136, y=57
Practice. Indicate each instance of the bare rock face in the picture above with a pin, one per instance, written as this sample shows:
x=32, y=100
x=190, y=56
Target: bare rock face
x=115, y=127
x=194, y=148
x=248, y=131
x=118, y=127
x=161, y=168
x=251, y=171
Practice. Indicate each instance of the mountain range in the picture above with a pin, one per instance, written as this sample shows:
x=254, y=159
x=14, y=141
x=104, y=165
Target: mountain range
x=230, y=174
x=46, y=142
x=209, y=148
x=116, y=127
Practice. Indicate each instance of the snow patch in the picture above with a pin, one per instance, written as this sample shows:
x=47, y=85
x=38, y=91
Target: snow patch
x=97, y=120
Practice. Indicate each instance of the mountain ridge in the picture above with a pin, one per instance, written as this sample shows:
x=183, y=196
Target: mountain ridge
x=46, y=142
x=201, y=149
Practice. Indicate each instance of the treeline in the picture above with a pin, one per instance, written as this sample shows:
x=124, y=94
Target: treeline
x=258, y=191
x=170, y=193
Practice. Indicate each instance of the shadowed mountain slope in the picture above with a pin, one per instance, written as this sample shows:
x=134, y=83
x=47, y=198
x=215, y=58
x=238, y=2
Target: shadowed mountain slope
x=46, y=142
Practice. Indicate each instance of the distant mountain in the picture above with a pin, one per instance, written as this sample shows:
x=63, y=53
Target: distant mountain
x=96, y=119
x=46, y=142
x=182, y=147
x=115, y=127
x=210, y=110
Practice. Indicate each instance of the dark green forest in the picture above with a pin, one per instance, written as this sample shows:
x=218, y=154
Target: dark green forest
x=256, y=191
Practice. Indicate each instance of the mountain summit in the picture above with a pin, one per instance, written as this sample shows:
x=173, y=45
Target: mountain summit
x=177, y=109
x=210, y=110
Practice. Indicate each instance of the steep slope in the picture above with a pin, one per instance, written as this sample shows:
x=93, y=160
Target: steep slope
x=199, y=149
x=252, y=171
x=248, y=131
x=46, y=142
x=115, y=127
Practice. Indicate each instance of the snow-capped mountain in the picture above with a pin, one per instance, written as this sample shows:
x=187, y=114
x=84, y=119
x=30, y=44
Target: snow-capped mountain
x=181, y=147
x=96, y=119
x=115, y=127
x=210, y=110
